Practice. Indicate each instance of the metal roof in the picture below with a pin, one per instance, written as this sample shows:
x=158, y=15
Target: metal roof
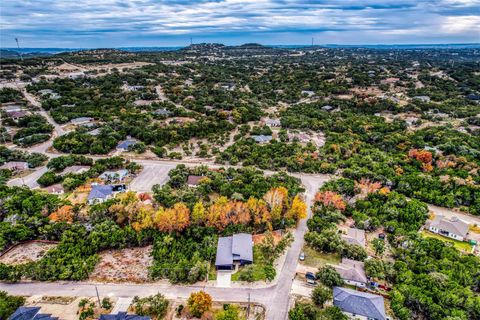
x=359, y=303
x=122, y=316
x=125, y=144
x=239, y=245
x=30, y=313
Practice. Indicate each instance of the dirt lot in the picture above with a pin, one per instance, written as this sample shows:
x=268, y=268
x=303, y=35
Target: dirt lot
x=125, y=265
x=27, y=252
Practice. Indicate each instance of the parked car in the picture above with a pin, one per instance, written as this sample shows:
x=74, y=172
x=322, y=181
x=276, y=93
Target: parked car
x=302, y=256
x=311, y=278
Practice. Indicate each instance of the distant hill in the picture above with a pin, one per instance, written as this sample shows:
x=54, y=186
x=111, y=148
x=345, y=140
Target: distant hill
x=13, y=54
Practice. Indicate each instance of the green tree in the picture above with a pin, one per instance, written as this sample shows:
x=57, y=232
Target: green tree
x=320, y=295
x=329, y=277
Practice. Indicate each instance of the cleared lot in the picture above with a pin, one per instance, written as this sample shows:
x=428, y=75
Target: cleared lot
x=27, y=252
x=151, y=175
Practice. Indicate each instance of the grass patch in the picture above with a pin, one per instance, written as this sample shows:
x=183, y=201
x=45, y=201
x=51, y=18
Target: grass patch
x=212, y=272
x=318, y=259
x=254, y=271
x=460, y=245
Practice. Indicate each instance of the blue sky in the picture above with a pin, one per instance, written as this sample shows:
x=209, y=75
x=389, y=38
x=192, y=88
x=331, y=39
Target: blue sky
x=120, y=23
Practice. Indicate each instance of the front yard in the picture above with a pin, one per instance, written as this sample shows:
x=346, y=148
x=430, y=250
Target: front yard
x=460, y=245
x=253, y=272
x=317, y=259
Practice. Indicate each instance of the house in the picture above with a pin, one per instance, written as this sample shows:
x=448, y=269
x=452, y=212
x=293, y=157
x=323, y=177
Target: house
x=75, y=170
x=94, y=132
x=230, y=86
x=352, y=272
x=81, y=120
x=12, y=108
x=30, y=313
x=125, y=145
x=237, y=249
x=15, y=166
x=16, y=115
x=272, y=123
x=123, y=316
x=422, y=98
x=44, y=92
x=359, y=305
x=118, y=175
x=55, y=189
x=101, y=193
x=328, y=108
x=453, y=228
x=354, y=236
x=262, y=138
x=162, y=112
x=193, y=180
x=307, y=93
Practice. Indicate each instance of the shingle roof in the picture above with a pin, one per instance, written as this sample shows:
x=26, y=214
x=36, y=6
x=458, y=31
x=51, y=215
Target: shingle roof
x=238, y=245
x=352, y=270
x=15, y=165
x=355, y=236
x=123, y=316
x=361, y=303
x=453, y=225
x=100, y=192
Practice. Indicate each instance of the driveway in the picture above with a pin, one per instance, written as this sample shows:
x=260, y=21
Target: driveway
x=29, y=180
x=224, y=279
x=152, y=173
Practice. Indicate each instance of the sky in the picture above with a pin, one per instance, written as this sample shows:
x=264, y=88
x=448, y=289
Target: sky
x=127, y=23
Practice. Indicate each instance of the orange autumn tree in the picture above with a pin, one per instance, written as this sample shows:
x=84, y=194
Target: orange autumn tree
x=330, y=198
x=423, y=156
x=366, y=186
x=172, y=219
x=64, y=213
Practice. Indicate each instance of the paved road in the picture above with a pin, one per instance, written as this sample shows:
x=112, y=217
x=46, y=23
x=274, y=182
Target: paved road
x=451, y=213
x=29, y=180
x=275, y=297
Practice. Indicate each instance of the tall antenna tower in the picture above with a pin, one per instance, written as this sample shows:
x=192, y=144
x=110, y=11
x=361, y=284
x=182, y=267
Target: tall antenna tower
x=312, y=41
x=19, y=52
x=191, y=41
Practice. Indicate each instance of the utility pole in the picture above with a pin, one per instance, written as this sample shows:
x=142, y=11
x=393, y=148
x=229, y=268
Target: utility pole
x=248, y=307
x=19, y=52
x=98, y=297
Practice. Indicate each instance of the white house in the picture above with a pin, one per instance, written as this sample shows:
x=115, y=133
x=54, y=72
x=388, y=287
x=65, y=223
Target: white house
x=453, y=228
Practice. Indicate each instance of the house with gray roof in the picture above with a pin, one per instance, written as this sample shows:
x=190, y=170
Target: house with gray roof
x=124, y=145
x=30, y=313
x=352, y=272
x=262, y=138
x=359, y=305
x=422, y=98
x=162, y=112
x=15, y=166
x=81, y=120
x=237, y=249
x=355, y=236
x=123, y=316
x=76, y=169
x=453, y=227
x=100, y=193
